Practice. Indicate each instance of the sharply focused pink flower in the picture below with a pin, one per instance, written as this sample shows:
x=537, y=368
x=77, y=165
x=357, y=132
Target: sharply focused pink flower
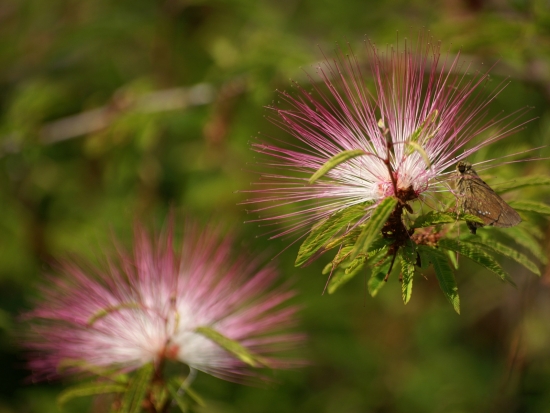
x=146, y=306
x=412, y=125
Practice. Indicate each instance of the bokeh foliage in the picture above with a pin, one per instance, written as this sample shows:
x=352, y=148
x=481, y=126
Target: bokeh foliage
x=113, y=112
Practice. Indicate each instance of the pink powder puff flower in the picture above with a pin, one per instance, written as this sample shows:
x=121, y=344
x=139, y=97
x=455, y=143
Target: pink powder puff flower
x=417, y=124
x=146, y=306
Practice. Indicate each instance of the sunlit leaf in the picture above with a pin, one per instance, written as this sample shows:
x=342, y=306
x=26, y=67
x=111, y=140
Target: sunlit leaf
x=335, y=161
x=453, y=259
x=104, y=312
x=376, y=281
x=233, y=347
x=407, y=271
x=349, y=237
x=321, y=233
x=340, y=256
x=374, y=225
x=418, y=148
x=443, y=272
x=435, y=218
x=343, y=274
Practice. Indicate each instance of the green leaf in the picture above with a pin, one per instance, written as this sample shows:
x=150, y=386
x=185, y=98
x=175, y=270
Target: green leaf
x=321, y=233
x=374, y=225
x=477, y=255
x=88, y=389
x=376, y=281
x=497, y=247
x=340, y=256
x=339, y=278
x=137, y=389
x=434, y=218
x=180, y=399
x=453, y=259
x=431, y=118
x=471, y=218
x=349, y=270
x=184, y=396
x=534, y=230
x=335, y=161
x=112, y=374
x=233, y=347
x=525, y=239
x=348, y=238
x=521, y=183
x=407, y=269
x=443, y=272
x=418, y=148
x=531, y=206
x=113, y=309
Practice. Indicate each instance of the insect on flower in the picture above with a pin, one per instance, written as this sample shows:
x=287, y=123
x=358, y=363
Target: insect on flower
x=477, y=198
x=355, y=145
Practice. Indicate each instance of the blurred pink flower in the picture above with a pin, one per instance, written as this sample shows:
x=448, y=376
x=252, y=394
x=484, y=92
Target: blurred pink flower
x=146, y=306
x=417, y=123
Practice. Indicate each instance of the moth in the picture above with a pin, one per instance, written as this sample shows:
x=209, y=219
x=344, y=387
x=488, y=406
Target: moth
x=477, y=198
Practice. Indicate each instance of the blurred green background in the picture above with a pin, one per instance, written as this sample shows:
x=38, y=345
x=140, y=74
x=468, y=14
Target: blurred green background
x=117, y=111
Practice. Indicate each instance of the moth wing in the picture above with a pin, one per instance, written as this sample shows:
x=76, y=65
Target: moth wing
x=486, y=204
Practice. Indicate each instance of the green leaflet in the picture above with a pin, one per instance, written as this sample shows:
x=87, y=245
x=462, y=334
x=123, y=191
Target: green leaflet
x=374, y=225
x=525, y=239
x=418, y=148
x=443, y=272
x=112, y=374
x=534, y=230
x=342, y=276
x=376, y=281
x=321, y=233
x=345, y=272
x=335, y=161
x=184, y=396
x=88, y=389
x=453, y=259
x=435, y=218
x=341, y=255
x=521, y=183
x=468, y=217
x=408, y=259
x=104, y=312
x=477, y=255
x=412, y=142
x=497, y=247
x=233, y=347
x=137, y=390
x=349, y=237
x=531, y=206
x=430, y=119
x=339, y=261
